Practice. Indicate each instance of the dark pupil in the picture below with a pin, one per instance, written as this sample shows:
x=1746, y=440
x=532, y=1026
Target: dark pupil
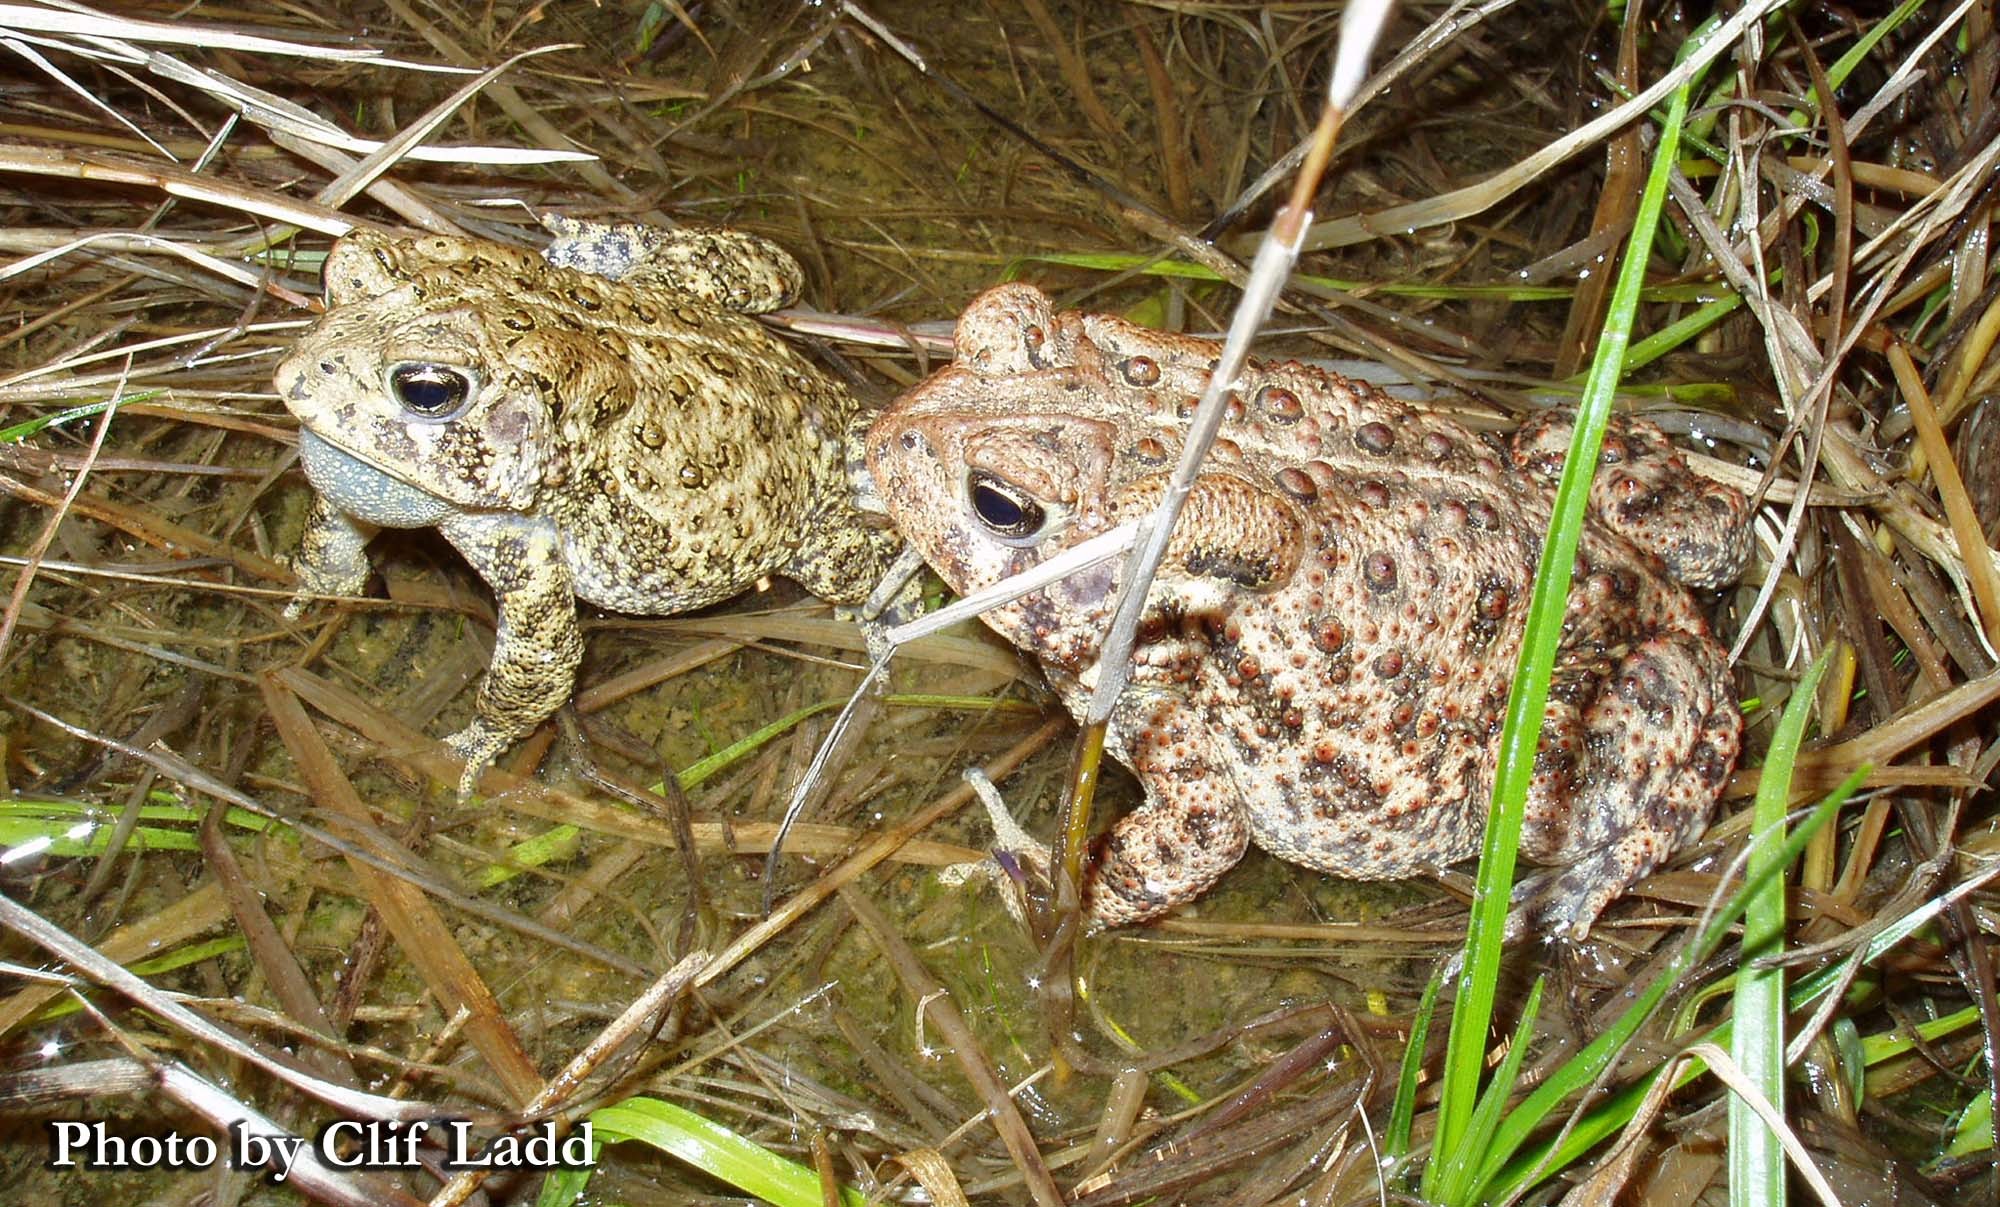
x=429, y=390
x=1003, y=510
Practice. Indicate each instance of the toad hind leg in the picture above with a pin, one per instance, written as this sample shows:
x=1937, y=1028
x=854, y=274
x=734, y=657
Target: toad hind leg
x=1626, y=778
x=731, y=268
x=538, y=644
x=1645, y=492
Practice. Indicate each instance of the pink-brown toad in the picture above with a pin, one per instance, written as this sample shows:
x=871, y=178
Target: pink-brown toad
x=1328, y=649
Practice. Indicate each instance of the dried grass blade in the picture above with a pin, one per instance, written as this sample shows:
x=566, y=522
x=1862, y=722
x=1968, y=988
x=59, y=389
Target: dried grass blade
x=281, y=117
x=1965, y=528
x=177, y=182
x=426, y=941
x=47, y=535
x=529, y=118
x=877, y=849
x=933, y=1172
x=275, y=959
x=415, y=750
x=616, y=688
x=352, y=182
x=1920, y=723
x=95, y=965
x=1167, y=113
x=307, y=1173
x=83, y=22
x=200, y=911
x=1463, y=203
x=123, y=241
x=1074, y=72
x=1463, y=15
x=1617, y=200
x=159, y=533
x=636, y=1014
x=86, y=95
x=1747, y=1092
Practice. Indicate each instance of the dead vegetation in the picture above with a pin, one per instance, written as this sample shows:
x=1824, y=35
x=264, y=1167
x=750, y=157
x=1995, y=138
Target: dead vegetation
x=319, y=926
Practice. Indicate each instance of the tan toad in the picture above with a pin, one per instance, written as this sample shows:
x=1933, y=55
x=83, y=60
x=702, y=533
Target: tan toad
x=640, y=443
x=1328, y=649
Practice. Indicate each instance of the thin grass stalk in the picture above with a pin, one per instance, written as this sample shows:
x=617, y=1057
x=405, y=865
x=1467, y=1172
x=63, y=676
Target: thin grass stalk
x=1360, y=26
x=1463, y=203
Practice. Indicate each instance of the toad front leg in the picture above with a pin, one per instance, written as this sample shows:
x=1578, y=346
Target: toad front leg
x=332, y=557
x=1234, y=537
x=538, y=645
x=1189, y=832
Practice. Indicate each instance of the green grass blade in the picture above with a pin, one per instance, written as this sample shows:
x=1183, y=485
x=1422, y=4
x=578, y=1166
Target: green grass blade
x=1616, y=1110
x=559, y=842
x=15, y=433
x=1184, y=270
x=1973, y=1133
x=1864, y=46
x=72, y=829
x=22, y=837
x=714, y=1149
x=1851, y=1053
x=1673, y=335
x=1403, y=1112
x=552, y=845
x=1459, y=1167
x=178, y=958
x=1887, y=1045
x=1756, y=1157
x=564, y=1186
x=163, y=808
x=1522, y=732
x=699, y=772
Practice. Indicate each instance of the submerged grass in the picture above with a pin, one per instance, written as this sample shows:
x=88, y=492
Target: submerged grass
x=716, y=1151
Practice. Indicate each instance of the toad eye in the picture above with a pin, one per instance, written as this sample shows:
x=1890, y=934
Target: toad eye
x=430, y=391
x=1003, y=508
